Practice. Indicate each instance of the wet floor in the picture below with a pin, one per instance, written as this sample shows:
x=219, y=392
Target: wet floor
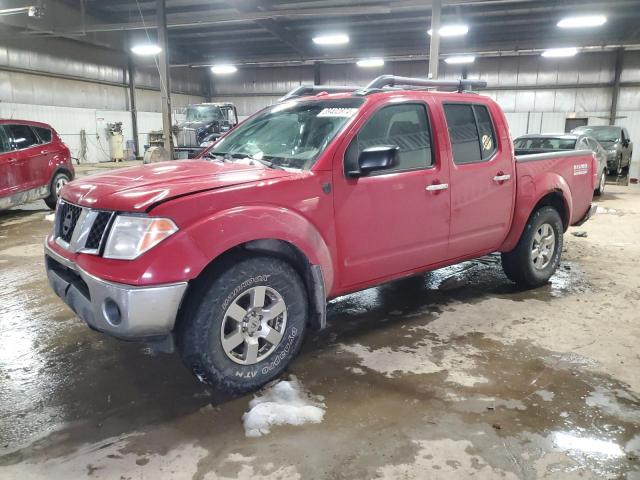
x=454, y=374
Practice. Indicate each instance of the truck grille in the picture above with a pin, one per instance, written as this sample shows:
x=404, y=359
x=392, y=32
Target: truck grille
x=98, y=229
x=81, y=229
x=67, y=218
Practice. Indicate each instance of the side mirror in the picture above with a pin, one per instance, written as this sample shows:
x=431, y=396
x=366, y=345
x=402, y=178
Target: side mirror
x=625, y=143
x=371, y=159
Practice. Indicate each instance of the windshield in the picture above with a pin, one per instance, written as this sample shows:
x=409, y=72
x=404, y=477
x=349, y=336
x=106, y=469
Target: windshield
x=291, y=134
x=545, y=143
x=602, y=134
x=203, y=113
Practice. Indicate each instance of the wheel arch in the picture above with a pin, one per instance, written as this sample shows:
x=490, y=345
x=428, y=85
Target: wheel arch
x=311, y=275
x=557, y=197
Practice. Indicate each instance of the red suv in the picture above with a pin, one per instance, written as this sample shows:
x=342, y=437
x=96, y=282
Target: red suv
x=34, y=163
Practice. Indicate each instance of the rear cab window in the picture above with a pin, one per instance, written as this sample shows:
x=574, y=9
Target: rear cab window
x=405, y=126
x=471, y=131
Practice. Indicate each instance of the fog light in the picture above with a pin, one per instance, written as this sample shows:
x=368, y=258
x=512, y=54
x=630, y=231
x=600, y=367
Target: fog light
x=111, y=312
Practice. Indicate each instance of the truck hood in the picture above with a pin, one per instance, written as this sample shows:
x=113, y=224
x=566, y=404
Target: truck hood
x=136, y=189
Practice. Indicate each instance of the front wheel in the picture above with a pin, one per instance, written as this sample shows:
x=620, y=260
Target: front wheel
x=603, y=181
x=58, y=181
x=537, y=255
x=243, y=325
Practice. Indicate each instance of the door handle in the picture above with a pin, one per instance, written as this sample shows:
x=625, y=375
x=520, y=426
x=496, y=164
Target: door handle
x=501, y=178
x=437, y=186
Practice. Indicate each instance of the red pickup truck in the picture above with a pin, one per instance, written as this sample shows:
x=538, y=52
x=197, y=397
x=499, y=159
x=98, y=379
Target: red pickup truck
x=232, y=256
x=34, y=163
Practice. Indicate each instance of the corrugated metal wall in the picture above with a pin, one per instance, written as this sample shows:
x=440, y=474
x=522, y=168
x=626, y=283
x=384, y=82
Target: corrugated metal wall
x=537, y=94
x=75, y=87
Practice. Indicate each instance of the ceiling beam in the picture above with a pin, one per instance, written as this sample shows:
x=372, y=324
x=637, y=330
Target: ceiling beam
x=271, y=25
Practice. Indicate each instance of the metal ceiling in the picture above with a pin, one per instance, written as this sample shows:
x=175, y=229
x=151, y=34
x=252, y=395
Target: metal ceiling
x=263, y=31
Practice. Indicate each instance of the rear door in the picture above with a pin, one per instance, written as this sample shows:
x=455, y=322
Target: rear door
x=482, y=179
x=31, y=158
x=389, y=222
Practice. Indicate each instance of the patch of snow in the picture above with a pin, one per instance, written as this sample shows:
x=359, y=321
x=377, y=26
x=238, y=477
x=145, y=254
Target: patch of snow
x=612, y=211
x=545, y=395
x=283, y=403
x=51, y=217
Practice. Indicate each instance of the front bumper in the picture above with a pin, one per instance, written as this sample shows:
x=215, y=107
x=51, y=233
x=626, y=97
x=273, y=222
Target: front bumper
x=590, y=213
x=123, y=311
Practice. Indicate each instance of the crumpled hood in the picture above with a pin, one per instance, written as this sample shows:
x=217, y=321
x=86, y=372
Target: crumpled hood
x=608, y=145
x=136, y=189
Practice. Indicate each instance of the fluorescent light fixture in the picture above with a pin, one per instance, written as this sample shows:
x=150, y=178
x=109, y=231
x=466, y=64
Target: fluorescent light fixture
x=582, y=21
x=331, y=39
x=560, y=52
x=452, y=30
x=370, y=62
x=223, y=69
x=146, y=49
x=460, y=59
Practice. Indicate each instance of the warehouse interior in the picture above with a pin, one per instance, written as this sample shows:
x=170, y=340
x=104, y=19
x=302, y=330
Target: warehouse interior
x=455, y=373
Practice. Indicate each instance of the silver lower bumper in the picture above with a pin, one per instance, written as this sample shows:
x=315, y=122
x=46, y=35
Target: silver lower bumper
x=123, y=311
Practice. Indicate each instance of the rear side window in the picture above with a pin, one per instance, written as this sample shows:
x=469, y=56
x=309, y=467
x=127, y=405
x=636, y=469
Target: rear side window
x=44, y=134
x=406, y=126
x=471, y=132
x=22, y=136
x=5, y=146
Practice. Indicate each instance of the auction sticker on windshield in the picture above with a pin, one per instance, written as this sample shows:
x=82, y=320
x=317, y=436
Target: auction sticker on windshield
x=337, y=112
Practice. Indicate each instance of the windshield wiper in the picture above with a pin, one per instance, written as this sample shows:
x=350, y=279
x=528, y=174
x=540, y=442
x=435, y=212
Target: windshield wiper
x=266, y=163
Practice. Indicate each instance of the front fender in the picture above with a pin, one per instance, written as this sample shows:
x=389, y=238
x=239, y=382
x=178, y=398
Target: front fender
x=531, y=191
x=229, y=228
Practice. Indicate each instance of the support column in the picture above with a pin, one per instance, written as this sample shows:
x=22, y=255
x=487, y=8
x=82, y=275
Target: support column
x=434, y=46
x=131, y=72
x=316, y=73
x=615, y=93
x=165, y=78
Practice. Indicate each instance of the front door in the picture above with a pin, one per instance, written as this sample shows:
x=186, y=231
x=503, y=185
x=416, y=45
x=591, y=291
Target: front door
x=482, y=180
x=31, y=158
x=388, y=222
x=7, y=163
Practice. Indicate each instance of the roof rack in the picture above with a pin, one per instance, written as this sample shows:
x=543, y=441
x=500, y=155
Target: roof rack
x=382, y=81
x=306, y=90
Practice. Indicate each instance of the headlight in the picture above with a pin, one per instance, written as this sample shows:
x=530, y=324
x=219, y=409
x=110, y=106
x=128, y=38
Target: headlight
x=131, y=236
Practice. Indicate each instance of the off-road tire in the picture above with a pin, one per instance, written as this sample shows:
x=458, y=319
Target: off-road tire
x=518, y=265
x=52, y=199
x=202, y=316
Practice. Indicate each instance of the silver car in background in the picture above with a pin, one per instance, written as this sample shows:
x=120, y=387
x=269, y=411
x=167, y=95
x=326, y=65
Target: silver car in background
x=615, y=141
x=548, y=142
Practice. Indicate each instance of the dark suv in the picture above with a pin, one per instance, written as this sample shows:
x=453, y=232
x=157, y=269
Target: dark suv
x=615, y=141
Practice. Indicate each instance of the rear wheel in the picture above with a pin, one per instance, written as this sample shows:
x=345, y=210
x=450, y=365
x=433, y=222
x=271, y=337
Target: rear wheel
x=58, y=181
x=243, y=325
x=537, y=255
x=603, y=181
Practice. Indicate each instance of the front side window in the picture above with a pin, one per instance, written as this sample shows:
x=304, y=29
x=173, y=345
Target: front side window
x=405, y=126
x=5, y=146
x=292, y=134
x=471, y=131
x=22, y=136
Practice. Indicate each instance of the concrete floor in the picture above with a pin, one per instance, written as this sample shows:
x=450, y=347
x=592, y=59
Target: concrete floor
x=450, y=375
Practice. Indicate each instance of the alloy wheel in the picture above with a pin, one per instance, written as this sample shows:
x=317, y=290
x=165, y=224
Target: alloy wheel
x=253, y=325
x=544, y=245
